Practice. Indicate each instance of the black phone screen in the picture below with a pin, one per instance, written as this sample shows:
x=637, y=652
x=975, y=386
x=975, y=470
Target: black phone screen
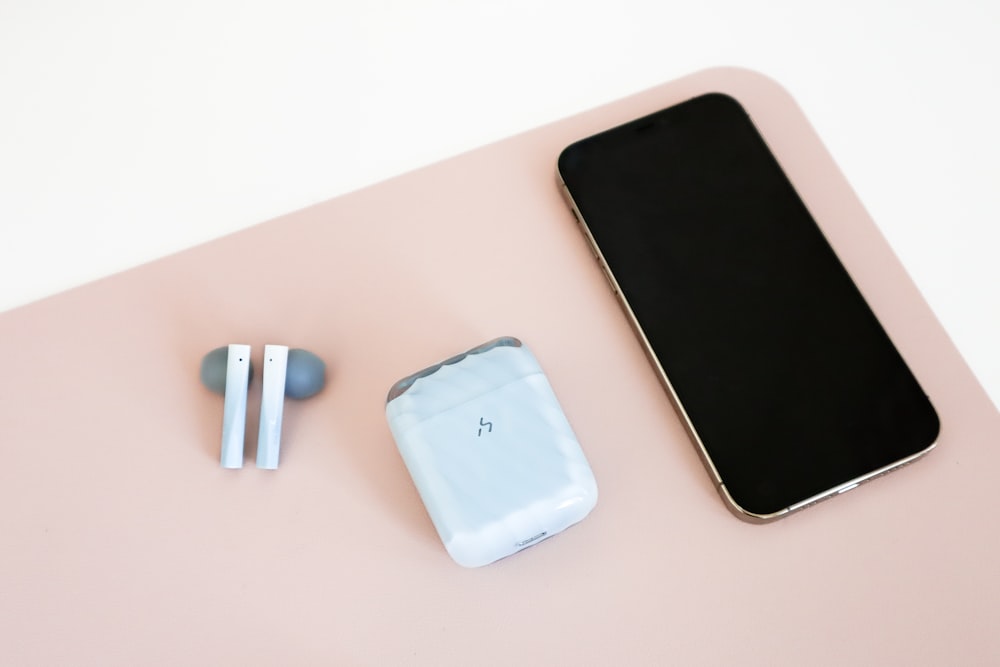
x=786, y=376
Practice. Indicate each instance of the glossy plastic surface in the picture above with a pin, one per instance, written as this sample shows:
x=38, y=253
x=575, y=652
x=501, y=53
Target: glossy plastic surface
x=496, y=462
x=234, y=414
x=272, y=406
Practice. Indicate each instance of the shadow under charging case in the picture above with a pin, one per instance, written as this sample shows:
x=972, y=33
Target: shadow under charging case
x=492, y=455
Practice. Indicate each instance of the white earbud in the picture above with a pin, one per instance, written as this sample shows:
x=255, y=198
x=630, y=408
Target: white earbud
x=227, y=370
x=293, y=373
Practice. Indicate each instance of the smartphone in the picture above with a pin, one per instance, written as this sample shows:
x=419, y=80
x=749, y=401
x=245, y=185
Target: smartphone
x=787, y=383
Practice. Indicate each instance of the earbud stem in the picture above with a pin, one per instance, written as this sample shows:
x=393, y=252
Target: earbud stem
x=272, y=406
x=234, y=415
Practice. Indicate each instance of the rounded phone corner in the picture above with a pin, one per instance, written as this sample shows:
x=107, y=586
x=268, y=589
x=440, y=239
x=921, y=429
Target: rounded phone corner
x=744, y=514
x=721, y=97
x=563, y=164
x=935, y=429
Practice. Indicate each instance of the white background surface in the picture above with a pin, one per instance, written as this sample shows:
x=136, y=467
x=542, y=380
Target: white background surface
x=130, y=130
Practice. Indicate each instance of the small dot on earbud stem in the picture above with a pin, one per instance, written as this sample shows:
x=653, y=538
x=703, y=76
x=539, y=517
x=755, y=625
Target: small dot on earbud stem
x=213, y=369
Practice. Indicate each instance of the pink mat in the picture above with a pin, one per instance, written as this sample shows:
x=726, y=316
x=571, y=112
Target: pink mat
x=124, y=542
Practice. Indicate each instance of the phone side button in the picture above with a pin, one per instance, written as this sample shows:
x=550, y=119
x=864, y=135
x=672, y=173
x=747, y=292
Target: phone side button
x=607, y=276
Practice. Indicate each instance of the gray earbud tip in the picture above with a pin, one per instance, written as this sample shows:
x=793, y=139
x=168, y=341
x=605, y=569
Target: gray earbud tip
x=305, y=375
x=213, y=369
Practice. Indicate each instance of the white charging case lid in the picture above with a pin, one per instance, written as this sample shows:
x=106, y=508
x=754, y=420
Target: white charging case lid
x=490, y=451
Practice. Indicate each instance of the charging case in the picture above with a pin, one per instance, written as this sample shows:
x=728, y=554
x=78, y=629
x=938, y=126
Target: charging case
x=493, y=457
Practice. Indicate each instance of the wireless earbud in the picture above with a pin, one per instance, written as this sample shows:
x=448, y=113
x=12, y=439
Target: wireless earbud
x=293, y=373
x=227, y=370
